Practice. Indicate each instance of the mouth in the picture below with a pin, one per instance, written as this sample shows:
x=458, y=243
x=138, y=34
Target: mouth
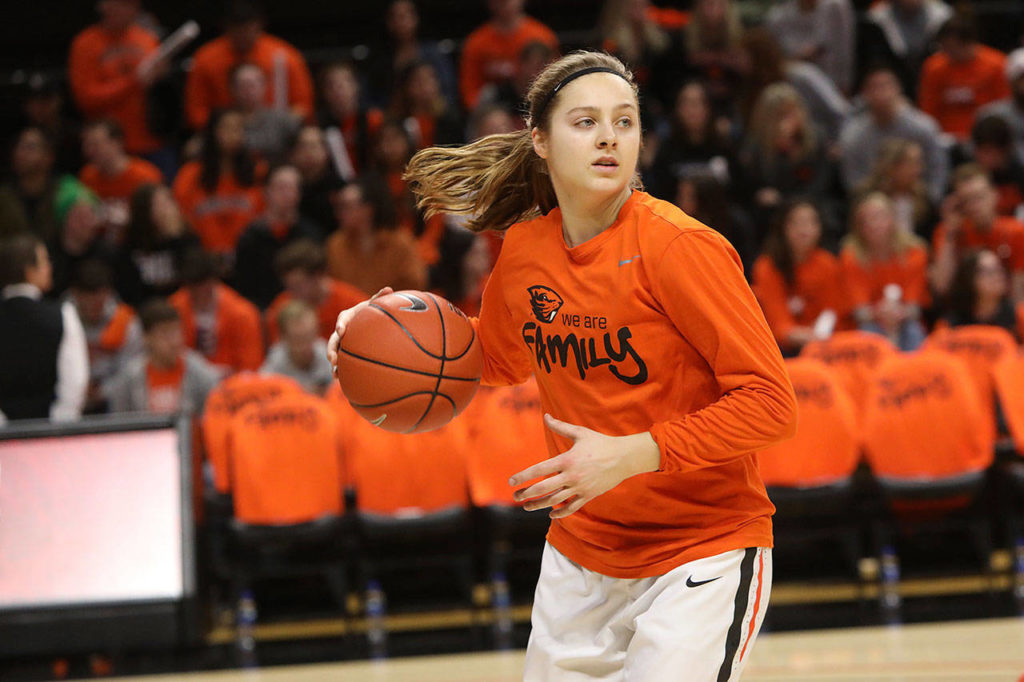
x=606, y=162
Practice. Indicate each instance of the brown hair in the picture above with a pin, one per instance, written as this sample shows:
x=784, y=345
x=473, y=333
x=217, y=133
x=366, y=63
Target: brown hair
x=499, y=179
x=302, y=254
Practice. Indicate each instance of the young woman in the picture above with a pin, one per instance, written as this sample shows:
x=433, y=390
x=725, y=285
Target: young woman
x=980, y=295
x=221, y=193
x=658, y=374
x=885, y=273
x=156, y=241
x=899, y=174
x=796, y=281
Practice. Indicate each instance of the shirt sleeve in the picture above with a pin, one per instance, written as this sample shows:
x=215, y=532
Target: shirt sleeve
x=506, y=361
x=72, y=369
x=700, y=284
x=94, y=93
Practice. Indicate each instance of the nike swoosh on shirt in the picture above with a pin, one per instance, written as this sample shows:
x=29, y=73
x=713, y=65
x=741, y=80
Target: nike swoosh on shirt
x=628, y=260
x=690, y=582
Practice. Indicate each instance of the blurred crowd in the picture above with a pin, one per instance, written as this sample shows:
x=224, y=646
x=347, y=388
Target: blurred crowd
x=171, y=219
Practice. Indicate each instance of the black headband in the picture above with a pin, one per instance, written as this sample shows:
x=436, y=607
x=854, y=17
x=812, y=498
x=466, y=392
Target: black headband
x=569, y=79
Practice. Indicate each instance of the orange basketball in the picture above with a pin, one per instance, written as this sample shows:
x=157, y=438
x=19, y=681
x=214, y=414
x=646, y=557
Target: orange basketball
x=409, y=362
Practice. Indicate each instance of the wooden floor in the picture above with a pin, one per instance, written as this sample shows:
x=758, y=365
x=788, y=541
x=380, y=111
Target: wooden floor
x=970, y=651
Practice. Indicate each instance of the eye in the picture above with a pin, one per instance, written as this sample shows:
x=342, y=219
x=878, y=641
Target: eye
x=625, y=122
x=584, y=122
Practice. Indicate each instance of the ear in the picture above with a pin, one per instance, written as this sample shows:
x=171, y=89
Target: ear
x=540, y=142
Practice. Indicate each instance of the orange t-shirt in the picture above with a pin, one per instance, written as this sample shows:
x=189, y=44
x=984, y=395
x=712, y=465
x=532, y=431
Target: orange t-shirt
x=236, y=340
x=491, y=56
x=817, y=287
x=269, y=483
x=339, y=297
x=648, y=326
x=951, y=92
x=224, y=402
x=507, y=435
x=115, y=191
x=394, y=261
x=219, y=217
x=101, y=70
x=866, y=282
x=163, y=387
x=827, y=443
x=207, y=87
x=1005, y=239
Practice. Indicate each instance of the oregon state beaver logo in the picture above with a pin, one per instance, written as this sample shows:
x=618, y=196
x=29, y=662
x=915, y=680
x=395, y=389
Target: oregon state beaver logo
x=545, y=302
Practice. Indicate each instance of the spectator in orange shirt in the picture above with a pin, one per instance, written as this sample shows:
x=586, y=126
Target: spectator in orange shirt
x=168, y=378
x=280, y=225
x=491, y=52
x=220, y=194
x=798, y=284
x=217, y=322
x=368, y=250
x=961, y=78
x=422, y=108
x=532, y=59
x=979, y=294
x=112, y=174
x=302, y=268
x=885, y=273
x=969, y=220
x=208, y=85
x=992, y=145
x=350, y=127
x=103, y=67
x=149, y=262
x=113, y=333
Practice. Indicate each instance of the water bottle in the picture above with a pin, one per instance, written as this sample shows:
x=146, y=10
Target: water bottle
x=1018, y=573
x=376, y=631
x=501, y=602
x=245, y=625
x=890, y=585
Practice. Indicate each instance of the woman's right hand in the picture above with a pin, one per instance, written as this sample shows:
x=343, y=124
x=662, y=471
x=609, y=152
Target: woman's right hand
x=344, y=317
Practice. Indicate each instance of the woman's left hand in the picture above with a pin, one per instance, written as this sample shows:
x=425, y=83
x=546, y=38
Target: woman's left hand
x=595, y=464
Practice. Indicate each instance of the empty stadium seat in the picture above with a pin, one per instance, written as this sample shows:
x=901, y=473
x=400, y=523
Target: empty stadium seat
x=854, y=355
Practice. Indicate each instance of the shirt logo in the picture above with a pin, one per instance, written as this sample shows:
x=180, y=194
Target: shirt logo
x=690, y=582
x=545, y=303
x=628, y=260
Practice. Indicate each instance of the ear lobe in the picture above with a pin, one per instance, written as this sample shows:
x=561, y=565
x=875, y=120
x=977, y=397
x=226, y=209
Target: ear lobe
x=540, y=143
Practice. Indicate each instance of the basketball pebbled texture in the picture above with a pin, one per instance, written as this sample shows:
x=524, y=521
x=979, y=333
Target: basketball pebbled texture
x=409, y=362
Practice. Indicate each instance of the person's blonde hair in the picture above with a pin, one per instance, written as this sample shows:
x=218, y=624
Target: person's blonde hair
x=900, y=240
x=771, y=106
x=892, y=152
x=499, y=180
x=617, y=33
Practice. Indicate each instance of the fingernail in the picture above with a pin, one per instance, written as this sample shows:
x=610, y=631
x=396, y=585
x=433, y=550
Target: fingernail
x=512, y=481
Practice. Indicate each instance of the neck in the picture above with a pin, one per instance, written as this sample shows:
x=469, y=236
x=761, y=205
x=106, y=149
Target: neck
x=878, y=251
x=33, y=184
x=282, y=215
x=986, y=307
x=114, y=165
x=507, y=25
x=887, y=115
x=163, y=363
x=583, y=220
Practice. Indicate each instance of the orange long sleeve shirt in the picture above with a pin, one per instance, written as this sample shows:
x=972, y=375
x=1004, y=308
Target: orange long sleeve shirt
x=648, y=326
x=101, y=71
x=490, y=56
x=951, y=92
x=817, y=287
x=207, y=87
x=237, y=333
x=218, y=217
x=866, y=281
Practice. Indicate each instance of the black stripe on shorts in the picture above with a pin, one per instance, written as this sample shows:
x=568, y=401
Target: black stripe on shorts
x=732, y=640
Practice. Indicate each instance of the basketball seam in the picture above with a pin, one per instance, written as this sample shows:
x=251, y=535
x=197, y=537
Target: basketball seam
x=404, y=369
x=403, y=397
x=440, y=371
x=412, y=338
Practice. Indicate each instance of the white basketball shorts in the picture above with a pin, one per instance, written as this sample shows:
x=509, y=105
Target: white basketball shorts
x=696, y=623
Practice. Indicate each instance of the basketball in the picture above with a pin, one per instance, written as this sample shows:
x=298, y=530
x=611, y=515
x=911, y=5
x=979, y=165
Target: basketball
x=409, y=362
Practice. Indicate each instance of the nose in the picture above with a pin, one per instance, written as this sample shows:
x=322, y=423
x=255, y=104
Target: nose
x=606, y=136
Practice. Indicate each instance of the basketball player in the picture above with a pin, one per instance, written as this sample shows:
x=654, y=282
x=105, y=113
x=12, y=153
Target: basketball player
x=659, y=378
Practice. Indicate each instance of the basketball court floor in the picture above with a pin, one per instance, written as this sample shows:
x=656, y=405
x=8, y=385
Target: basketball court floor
x=965, y=651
